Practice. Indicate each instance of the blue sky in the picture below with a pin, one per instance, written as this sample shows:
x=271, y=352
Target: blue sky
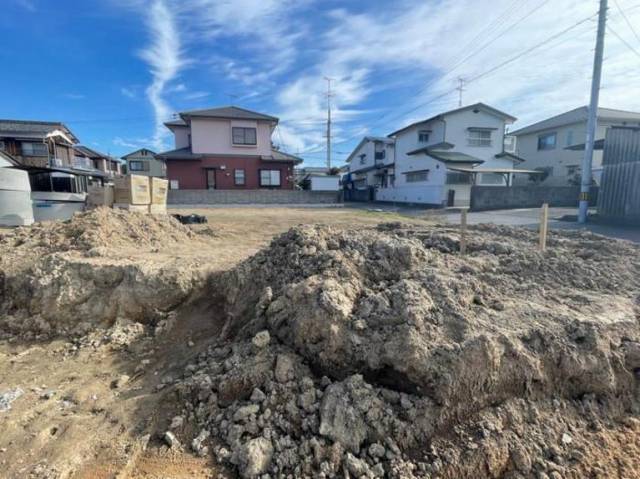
x=114, y=70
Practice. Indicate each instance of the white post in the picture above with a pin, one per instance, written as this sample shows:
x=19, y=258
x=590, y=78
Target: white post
x=544, y=218
x=463, y=231
x=585, y=184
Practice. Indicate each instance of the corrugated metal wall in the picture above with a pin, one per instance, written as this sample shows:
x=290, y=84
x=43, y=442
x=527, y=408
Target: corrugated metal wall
x=619, y=198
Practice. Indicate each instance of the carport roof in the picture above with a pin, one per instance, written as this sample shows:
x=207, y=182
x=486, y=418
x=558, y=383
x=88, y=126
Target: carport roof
x=493, y=170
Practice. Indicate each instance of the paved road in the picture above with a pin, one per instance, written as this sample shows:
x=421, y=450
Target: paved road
x=527, y=217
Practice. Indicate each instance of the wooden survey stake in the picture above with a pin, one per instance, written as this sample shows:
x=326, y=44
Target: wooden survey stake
x=463, y=231
x=544, y=218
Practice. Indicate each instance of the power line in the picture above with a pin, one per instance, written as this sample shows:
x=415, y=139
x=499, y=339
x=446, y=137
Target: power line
x=529, y=50
x=491, y=41
x=611, y=30
x=626, y=19
x=487, y=72
x=496, y=23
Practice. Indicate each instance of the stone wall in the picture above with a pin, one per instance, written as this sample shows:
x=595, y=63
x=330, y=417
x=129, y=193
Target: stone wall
x=498, y=198
x=246, y=197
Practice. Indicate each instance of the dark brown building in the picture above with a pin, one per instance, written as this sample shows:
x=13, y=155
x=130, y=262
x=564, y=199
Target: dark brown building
x=38, y=144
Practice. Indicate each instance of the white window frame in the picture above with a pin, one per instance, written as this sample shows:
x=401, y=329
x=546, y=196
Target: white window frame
x=416, y=176
x=479, y=137
x=239, y=177
x=423, y=136
x=270, y=178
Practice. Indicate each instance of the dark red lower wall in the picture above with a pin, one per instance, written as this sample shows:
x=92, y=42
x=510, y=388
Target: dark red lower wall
x=192, y=174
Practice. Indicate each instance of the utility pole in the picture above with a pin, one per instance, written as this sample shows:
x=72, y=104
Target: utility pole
x=329, y=95
x=460, y=90
x=585, y=184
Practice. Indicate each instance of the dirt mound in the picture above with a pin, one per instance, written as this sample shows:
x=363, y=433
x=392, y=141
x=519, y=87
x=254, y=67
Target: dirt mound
x=69, y=277
x=99, y=228
x=384, y=352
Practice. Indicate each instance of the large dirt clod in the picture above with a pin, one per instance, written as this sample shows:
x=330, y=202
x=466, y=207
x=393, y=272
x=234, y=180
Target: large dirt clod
x=394, y=340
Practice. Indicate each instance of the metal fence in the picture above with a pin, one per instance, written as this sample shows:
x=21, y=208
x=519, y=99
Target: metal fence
x=619, y=199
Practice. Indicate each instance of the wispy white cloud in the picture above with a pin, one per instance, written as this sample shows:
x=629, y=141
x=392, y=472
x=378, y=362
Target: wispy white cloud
x=128, y=92
x=180, y=87
x=124, y=143
x=196, y=95
x=164, y=57
x=74, y=96
x=412, y=53
x=420, y=43
x=132, y=143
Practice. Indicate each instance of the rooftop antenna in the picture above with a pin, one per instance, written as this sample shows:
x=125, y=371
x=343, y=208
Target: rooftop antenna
x=232, y=97
x=460, y=89
x=329, y=95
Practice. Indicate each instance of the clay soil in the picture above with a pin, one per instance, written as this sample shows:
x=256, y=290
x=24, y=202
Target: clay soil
x=73, y=418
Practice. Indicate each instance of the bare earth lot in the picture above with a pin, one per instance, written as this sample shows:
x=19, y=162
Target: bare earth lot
x=72, y=420
x=132, y=346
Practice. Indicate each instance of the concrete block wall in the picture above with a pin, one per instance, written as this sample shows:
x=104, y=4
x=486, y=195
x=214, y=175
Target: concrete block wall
x=247, y=197
x=496, y=198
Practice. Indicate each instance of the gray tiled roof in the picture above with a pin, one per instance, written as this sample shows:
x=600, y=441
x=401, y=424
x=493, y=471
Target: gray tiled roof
x=133, y=153
x=179, y=154
x=85, y=150
x=228, y=112
x=578, y=115
x=448, y=156
x=282, y=156
x=31, y=129
x=186, y=154
x=479, y=106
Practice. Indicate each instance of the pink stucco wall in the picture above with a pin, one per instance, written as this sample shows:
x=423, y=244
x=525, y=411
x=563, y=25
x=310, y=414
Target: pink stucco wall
x=214, y=136
x=181, y=134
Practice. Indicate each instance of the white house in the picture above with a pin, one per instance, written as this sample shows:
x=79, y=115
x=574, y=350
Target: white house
x=545, y=145
x=372, y=162
x=436, y=161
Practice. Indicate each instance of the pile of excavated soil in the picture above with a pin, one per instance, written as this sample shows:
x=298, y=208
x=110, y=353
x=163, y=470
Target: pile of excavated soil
x=98, y=228
x=385, y=353
x=69, y=277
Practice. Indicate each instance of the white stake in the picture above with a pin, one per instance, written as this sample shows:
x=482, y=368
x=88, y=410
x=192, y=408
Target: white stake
x=463, y=231
x=544, y=217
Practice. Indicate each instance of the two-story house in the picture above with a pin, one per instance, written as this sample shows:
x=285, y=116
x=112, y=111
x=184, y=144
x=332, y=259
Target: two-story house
x=38, y=144
x=547, y=145
x=144, y=162
x=437, y=160
x=371, y=163
x=88, y=157
x=226, y=148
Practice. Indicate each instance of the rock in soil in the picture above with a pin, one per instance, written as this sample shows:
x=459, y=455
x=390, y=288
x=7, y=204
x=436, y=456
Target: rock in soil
x=392, y=355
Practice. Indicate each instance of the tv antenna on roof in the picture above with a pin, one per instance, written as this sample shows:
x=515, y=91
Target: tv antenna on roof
x=232, y=97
